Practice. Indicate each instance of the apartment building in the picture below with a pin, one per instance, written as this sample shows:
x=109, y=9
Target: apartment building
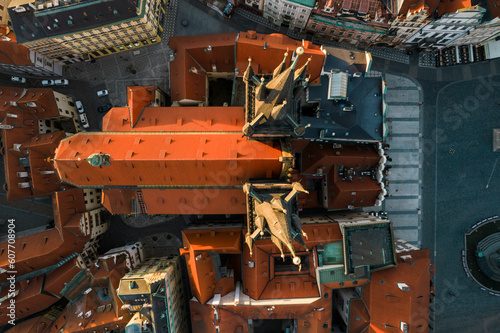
x=18, y=60
x=154, y=290
x=74, y=30
x=355, y=22
x=411, y=17
x=291, y=13
x=453, y=23
x=4, y=14
x=479, y=34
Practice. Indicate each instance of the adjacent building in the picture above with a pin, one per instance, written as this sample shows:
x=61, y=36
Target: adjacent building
x=154, y=293
x=237, y=287
x=410, y=16
x=454, y=21
x=350, y=21
x=32, y=123
x=4, y=14
x=292, y=13
x=70, y=31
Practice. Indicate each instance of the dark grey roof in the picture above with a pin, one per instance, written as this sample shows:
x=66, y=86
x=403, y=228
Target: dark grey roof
x=64, y=19
x=345, y=60
x=368, y=245
x=364, y=122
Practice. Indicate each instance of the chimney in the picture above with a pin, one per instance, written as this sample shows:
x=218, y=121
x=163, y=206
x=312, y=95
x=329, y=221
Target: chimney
x=403, y=286
x=251, y=34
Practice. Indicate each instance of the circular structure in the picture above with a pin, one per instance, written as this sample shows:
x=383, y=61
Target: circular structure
x=481, y=258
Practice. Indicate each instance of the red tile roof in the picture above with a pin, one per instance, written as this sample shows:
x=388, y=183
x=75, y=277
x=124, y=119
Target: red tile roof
x=317, y=156
x=190, y=52
x=13, y=54
x=177, y=201
x=24, y=132
x=389, y=305
x=267, y=51
x=33, y=325
x=138, y=97
x=177, y=119
x=158, y=159
x=49, y=247
x=451, y=6
x=251, y=45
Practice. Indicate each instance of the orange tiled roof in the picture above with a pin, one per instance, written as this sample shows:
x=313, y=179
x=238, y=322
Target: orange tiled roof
x=177, y=201
x=191, y=52
x=30, y=300
x=451, y=6
x=138, y=97
x=57, y=279
x=49, y=247
x=251, y=45
x=25, y=129
x=177, y=119
x=410, y=306
x=103, y=314
x=316, y=156
x=13, y=54
x=33, y=325
x=166, y=159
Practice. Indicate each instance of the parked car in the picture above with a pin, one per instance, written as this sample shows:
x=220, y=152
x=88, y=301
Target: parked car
x=84, y=120
x=104, y=108
x=79, y=106
x=48, y=83
x=102, y=93
x=18, y=79
x=228, y=10
x=62, y=82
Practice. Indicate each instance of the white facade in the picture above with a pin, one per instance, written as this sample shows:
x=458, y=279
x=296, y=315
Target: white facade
x=480, y=34
x=286, y=12
x=45, y=65
x=134, y=254
x=445, y=30
x=88, y=256
x=405, y=26
x=92, y=224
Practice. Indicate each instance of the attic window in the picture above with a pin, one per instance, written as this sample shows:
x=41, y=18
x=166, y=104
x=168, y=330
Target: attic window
x=133, y=285
x=115, y=12
x=70, y=22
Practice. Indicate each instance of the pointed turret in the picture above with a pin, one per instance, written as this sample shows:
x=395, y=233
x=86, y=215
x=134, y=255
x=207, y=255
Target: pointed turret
x=299, y=52
x=249, y=73
x=281, y=67
x=300, y=73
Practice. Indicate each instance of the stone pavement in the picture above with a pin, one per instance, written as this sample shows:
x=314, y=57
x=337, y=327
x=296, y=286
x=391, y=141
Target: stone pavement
x=403, y=204
x=169, y=20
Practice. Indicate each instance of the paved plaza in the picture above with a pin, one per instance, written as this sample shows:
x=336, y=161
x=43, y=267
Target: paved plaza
x=444, y=176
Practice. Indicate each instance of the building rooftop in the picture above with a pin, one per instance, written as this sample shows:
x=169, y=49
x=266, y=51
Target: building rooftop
x=451, y=6
x=368, y=244
x=356, y=10
x=189, y=159
x=49, y=247
x=357, y=115
x=46, y=21
x=308, y=3
x=14, y=54
x=405, y=290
